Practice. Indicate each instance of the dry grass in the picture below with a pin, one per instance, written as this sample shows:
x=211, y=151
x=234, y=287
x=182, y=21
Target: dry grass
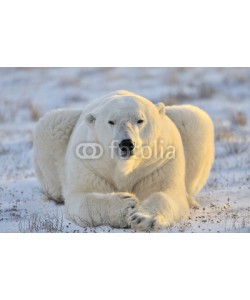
x=35, y=111
x=238, y=118
x=3, y=150
x=236, y=147
x=2, y=119
x=70, y=82
x=180, y=97
x=206, y=91
x=9, y=111
x=41, y=222
x=223, y=133
x=237, y=223
x=212, y=183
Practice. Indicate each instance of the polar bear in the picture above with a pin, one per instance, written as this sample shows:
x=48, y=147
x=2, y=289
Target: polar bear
x=124, y=161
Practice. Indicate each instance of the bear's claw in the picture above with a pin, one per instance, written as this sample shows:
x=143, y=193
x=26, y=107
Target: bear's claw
x=142, y=222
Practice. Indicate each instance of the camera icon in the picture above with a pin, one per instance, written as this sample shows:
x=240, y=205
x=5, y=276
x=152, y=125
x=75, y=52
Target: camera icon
x=89, y=151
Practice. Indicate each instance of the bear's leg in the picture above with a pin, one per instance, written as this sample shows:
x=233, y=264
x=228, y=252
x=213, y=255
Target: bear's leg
x=94, y=209
x=192, y=201
x=202, y=174
x=195, y=183
x=159, y=210
x=49, y=181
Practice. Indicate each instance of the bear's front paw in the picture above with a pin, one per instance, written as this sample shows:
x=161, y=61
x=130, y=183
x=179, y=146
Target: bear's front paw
x=125, y=204
x=141, y=221
x=127, y=200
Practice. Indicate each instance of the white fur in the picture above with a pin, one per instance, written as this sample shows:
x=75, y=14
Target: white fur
x=145, y=194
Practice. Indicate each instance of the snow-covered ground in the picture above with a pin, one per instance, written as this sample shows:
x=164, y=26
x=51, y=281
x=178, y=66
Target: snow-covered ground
x=28, y=93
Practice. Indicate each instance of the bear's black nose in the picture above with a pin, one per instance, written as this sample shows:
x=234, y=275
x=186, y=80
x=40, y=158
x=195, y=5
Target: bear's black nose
x=127, y=145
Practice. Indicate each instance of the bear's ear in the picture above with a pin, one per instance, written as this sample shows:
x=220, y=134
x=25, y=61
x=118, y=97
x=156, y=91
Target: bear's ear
x=161, y=108
x=90, y=119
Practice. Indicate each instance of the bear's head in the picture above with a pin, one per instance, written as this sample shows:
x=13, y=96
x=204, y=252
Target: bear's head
x=124, y=124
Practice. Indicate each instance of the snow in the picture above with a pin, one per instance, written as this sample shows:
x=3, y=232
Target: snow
x=28, y=93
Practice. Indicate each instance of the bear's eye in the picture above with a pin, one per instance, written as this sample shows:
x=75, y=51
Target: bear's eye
x=111, y=123
x=140, y=121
